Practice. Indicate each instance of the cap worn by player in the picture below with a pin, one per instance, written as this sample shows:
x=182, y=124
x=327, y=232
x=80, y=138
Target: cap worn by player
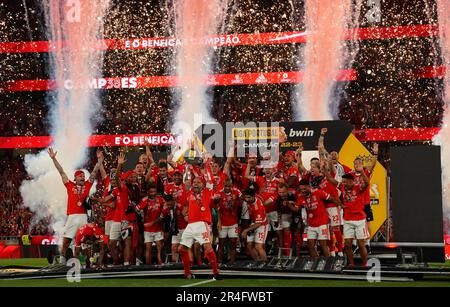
x=78, y=173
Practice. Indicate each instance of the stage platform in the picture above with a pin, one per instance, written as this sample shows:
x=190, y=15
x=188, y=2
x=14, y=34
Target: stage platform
x=293, y=268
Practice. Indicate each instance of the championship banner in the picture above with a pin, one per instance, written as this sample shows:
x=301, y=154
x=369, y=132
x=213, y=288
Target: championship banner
x=262, y=137
x=121, y=140
x=230, y=40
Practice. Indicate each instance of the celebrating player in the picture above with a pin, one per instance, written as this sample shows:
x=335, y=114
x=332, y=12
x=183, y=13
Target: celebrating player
x=77, y=192
x=199, y=221
x=256, y=233
x=86, y=236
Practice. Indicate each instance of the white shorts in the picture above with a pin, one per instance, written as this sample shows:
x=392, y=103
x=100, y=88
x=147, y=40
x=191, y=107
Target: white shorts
x=73, y=223
x=319, y=233
x=356, y=230
x=108, y=227
x=150, y=237
x=245, y=215
x=272, y=217
x=114, y=232
x=177, y=239
x=334, y=213
x=229, y=231
x=259, y=234
x=198, y=231
x=286, y=220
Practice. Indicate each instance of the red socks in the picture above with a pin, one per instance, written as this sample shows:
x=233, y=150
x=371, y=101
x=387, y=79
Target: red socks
x=286, y=243
x=186, y=262
x=339, y=239
x=211, y=256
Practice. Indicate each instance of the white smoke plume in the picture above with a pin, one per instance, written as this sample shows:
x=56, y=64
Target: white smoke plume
x=73, y=27
x=195, y=20
x=443, y=137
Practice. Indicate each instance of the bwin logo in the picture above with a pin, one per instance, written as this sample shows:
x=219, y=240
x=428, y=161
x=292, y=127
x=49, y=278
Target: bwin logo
x=301, y=133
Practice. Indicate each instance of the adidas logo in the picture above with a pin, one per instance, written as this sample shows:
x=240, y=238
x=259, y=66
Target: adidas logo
x=237, y=80
x=261, y=79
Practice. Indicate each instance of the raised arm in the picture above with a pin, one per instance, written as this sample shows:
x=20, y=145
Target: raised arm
x=374, y=157
x=52, y=155
x=102, y=167
x=120, y=161
x=323, y=153
x=247, y=174
x=327, y=174
x=298, y=156
x=97, y=166
x=230, y=158
x=149, y=154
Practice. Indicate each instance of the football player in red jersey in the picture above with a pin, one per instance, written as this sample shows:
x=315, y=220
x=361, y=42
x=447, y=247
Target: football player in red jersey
x=268, y=190
x=86, y=236
x=177, y=190
x=290, y=171
x=112, y=223
x=199, y=220
x=291, y=224
x=228, y=206
x=354, y=216
x=256, y=233
x=318, y=223
x=333, y=157
x=125, y=211
x=77, y=192
x=358, y=163
x=153, y=206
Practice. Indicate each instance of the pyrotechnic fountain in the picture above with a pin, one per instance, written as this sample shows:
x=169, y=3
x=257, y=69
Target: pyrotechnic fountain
x=73, y=27
x=195, y=20
x=324, y=53
x=443, y=138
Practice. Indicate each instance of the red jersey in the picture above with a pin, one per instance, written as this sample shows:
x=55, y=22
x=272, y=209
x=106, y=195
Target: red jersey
x=178, y=192
x=229, y=204
x=354, y=202
x=359, y=181
x=257, y=212
x=89, y=232
x=122, y=203
x=268, y=189
x=331, y=189
x=76, y=194
x=254, y=171
x=153, y=209
x=110, y=212
x=285, y=172
x=315, y=207
x=198, y=201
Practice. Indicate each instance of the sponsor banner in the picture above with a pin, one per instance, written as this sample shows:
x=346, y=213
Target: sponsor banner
x=258, y=138
x=95, y=140
x=167, y=81
x=229, y=40
x=308, y=134
x=388, y=134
